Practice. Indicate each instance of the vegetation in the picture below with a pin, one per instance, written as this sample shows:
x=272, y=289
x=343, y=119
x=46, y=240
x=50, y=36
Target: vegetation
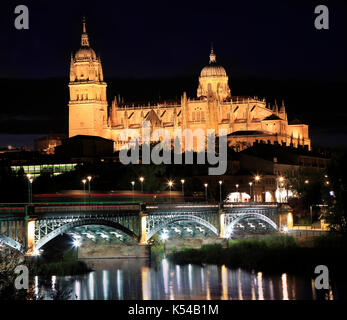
x=276, y=253
x=61, y=268
x=63, y=262
x=8, y=262
x=336, y=215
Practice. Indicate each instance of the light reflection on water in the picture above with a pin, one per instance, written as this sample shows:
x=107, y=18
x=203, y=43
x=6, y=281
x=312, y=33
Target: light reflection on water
x=136, y=279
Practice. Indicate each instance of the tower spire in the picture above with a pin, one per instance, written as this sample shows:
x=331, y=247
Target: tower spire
x=212, y=55
x=84, y=25
x=84, y=37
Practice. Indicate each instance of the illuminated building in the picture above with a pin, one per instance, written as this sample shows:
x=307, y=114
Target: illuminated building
x=245, y=119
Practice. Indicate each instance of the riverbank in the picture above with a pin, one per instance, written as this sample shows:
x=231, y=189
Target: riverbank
x=278, y=253
x=68, y=265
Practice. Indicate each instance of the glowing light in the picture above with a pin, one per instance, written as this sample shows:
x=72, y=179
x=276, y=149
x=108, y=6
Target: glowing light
x=89, y=178
x=84, y=181
x=164, y=236
x=285, y=229
x=307, y=181
x=220, y=182
x=145, y=283
x=257, y=178
x=327, y=182
x=281, y=179
x=76, y=243
x=237, y=185
x=36, y=252
x=183, y=181
x=224, y=272
x=133, y=183
x=141, y=179
x=284, y=287
x=205, y=185
x=170, y=183
x=260, y=286
x=250, y=183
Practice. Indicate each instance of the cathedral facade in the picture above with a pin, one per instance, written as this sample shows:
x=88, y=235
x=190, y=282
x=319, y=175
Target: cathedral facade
x=246, y=120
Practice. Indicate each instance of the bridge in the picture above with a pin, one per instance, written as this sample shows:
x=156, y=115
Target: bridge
x=28, y=227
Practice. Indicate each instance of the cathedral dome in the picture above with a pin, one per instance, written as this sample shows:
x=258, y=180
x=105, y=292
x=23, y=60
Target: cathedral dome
x=85, y=53
x=213, y=69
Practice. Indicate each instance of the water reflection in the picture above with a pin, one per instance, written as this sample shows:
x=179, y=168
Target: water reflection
x=284, y=287
x=137, y=279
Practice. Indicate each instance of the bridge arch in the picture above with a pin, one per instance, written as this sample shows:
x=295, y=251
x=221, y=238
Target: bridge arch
x=85, y=222
x=190, y=218
x=11, y=243
x=255, y=215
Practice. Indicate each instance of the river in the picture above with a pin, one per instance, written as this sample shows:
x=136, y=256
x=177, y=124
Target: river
x=128, y=279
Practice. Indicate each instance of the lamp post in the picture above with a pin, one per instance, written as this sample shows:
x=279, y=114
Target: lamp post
x=237, y=191
x=170, y=183
x=257, y=179
x=30, y=181
x=133, y=186
x=141, y=180
x=206, y=185
x=89, y=178
x=220, y=191
x=250, y=190
x=84, y=189
x=183, y=181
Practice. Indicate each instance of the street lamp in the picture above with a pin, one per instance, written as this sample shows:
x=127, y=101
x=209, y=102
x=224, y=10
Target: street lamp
x=30, y=181
x=141, y=180
x=257, y=179
x=250, y=189
x=237, y=191
x=183, y=181
x=132, y=186
x=170, y=183
x=84, y=189
x=89, y=178
x=220, y=191
x=206, y=185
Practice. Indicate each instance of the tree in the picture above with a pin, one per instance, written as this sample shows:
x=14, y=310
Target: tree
x=336, y=214
x=8, y=262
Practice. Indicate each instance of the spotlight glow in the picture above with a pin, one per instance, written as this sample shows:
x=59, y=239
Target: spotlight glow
x=76, y=243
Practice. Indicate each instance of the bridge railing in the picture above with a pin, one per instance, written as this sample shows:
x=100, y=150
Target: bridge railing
x=86, y=207
x=183, y=205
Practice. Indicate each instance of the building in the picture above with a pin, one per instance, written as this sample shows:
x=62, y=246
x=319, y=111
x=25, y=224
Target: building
x=83, y=148
x=245, y=119
x=274, y=165
x=47, y=143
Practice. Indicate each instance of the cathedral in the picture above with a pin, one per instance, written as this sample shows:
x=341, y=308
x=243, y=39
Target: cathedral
x=247, y=120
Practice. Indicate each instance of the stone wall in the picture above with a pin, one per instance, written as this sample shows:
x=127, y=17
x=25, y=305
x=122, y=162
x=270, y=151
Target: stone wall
x=96, y=250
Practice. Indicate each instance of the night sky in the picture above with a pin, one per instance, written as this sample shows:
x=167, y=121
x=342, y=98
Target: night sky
x=269, y=48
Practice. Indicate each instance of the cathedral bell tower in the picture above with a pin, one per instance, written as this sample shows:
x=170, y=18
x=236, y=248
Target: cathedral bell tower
x=88, y=103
